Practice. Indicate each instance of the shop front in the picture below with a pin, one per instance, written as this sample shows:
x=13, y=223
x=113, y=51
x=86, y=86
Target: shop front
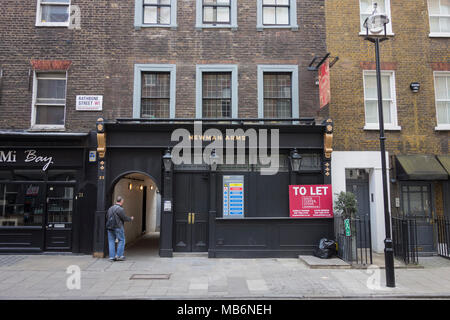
x=44, y=194
x=212, y=202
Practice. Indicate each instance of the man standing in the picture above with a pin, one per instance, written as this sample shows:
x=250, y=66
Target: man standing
x=115, y=217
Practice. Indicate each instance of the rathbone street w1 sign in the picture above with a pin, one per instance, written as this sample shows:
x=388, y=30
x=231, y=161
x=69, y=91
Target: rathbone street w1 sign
x=311, y=201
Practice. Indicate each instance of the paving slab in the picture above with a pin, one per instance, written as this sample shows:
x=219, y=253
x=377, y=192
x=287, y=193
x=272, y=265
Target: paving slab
x=317, y=263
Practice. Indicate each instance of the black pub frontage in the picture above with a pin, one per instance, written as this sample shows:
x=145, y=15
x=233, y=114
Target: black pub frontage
x=207, y=203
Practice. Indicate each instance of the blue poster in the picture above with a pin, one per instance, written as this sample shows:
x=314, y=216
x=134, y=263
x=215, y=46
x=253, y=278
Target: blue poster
x=233, y=196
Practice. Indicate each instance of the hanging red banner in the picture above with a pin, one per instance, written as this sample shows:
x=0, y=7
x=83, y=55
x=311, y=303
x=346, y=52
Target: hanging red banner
x=324, y=84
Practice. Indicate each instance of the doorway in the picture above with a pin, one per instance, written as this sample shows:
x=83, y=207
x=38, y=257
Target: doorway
x=357, y=182
x=191, y=191
x=141, y=200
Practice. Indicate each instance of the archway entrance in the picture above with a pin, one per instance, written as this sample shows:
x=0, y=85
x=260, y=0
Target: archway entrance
x=142, y=200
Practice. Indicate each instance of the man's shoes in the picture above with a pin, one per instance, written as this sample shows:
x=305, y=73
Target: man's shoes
x=122, y=258
x=112, y=260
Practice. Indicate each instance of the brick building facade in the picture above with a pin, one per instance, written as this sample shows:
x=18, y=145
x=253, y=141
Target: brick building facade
x=417, y=51
x=154, y=59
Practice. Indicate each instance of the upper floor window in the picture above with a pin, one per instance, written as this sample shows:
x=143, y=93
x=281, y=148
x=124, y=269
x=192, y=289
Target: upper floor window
x=49, y=99
x=278, y=91
x=371, y=100
x=366, y=10
x=216, y=14
x=216, y=94
x=442, y=92
x=277, y=14
x=155, y=13
x=53, y=13
x=154, y=91
x=439, y=11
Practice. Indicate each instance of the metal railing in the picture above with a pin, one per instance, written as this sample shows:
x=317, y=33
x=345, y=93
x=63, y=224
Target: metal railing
x=356, y=247
x=443, y=236
x=404, y=234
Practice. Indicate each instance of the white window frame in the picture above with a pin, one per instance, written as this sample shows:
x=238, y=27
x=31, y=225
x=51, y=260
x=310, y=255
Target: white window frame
x=293, y=69
x=393, y=125
x=39, y=23
x=139, y=16
x=199, y=17
x=436, y=74
x=34, y=126
x=389, y=31
x=436, y=34
x=292, y=17
x=200, y=69
x=137, y=93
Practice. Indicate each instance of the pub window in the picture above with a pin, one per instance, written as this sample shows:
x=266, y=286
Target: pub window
x=154, y=91
x=155, y=100
x=277, y=95
x=216, y=95
x=216, y=11
x=439, y=12
x=276, y=12
x=442, y=93
x=157, y=12
x=53, y=13
x=49, y=101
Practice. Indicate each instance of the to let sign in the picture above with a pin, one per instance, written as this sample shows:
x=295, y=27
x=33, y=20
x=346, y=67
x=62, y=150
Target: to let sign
x=89, y=103
x=324, y=84
x=311, y=201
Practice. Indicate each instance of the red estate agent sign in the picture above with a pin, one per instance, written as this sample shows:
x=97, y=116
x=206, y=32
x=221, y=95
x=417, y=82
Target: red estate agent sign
x=311, y=201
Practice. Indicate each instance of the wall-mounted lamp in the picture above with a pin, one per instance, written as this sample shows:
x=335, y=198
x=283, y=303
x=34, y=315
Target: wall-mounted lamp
x=167, y=160
x=415, y=87
x=130, y=186
x=296, y=160
x=141, y=187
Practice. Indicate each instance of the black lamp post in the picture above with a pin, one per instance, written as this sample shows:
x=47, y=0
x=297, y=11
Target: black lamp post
x=376, y=24
x=296, y=160
x=167, y=160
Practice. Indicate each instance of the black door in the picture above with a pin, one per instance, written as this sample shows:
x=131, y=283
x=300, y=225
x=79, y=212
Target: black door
x=58, y=219
x=360, y=188
x=191, y=212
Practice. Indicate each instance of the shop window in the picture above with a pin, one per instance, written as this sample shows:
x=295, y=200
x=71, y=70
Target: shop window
x=278, y=91
x=216, y=14
x=439, y=13
x=49, y=100
x=442, y=94
x=154, y=91
x=155, y=102
x=371, y=100
x=155, y=13
x=21, y=205
x=53, y=13
x=276, y=14
x=366, y=9
x=216, y=94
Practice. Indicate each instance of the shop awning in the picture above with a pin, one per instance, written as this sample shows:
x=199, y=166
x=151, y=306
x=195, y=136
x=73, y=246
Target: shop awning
x=420, y=167
x=445, y=162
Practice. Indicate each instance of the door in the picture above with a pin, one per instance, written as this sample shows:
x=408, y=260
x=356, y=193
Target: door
x=58, y=220
x=191, y=212
x=360, y=188
x=416, y=203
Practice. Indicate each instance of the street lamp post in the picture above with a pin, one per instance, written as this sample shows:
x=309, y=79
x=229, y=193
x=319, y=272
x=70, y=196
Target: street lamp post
x=376, y=23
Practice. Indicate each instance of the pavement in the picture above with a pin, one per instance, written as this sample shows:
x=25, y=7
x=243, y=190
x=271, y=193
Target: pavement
x=144, y=275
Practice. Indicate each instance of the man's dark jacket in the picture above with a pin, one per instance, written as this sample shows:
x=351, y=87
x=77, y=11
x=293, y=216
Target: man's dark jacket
x=119, y=217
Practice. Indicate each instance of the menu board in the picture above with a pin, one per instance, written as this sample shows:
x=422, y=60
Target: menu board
x=233, y=196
